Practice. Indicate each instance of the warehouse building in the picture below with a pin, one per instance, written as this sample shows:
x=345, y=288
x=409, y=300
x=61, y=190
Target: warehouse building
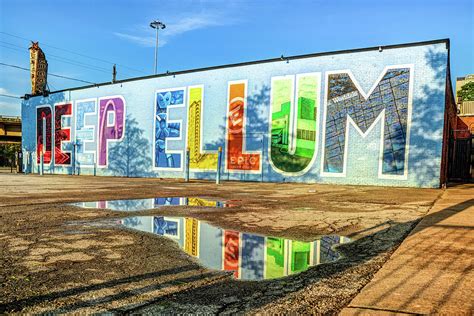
x=370, y=116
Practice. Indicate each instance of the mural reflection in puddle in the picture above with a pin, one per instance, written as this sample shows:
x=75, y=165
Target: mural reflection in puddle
x=249, y=256
x=151, y=203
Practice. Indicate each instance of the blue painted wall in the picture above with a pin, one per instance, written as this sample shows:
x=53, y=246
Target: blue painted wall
x=133, y=154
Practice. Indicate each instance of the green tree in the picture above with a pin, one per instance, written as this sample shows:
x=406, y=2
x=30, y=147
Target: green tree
x=467, y=92
x=7, y=153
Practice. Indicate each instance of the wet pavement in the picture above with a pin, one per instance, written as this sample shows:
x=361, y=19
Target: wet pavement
x=247, y=256
x=133, y=205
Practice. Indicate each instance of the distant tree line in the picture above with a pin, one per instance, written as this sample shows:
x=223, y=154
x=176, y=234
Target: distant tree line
x=8, y=153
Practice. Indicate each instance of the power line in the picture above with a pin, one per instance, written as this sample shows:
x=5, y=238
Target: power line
x=49, y=84
x=20, y=50
x=51, y=55
x=49, y=74
x=61, y=59
x=72, y=52
x=9, y=96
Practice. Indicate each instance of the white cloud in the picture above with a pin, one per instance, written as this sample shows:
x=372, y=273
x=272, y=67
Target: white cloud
x=146, y=41
x=145, y=36
x=192, y=23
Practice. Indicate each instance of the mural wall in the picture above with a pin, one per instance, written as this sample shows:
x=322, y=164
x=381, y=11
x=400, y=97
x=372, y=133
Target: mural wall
x=369, y=117
x=347, y=104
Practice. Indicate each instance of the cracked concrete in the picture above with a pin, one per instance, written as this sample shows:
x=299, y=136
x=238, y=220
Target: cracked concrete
x=55, y=259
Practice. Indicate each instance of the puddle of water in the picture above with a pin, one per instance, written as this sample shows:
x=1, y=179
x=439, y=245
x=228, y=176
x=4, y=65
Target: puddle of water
x=151, y=203
x=249, y=256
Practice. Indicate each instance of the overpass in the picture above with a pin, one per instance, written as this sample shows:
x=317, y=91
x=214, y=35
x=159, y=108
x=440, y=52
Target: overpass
x=10, y=130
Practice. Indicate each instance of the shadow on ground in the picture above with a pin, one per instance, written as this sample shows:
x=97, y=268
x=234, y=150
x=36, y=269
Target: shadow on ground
x=321, y=289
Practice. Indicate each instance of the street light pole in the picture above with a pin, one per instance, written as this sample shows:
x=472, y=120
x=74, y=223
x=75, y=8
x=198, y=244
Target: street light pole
x=156, y=53
x=157, y=25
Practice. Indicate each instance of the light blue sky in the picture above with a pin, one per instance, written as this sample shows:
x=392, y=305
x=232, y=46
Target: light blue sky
x=206, y=33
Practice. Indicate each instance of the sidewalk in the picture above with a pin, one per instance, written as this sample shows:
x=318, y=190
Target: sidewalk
x=433, y=269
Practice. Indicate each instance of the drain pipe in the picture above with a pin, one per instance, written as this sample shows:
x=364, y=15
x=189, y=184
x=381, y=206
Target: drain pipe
x=219, y=163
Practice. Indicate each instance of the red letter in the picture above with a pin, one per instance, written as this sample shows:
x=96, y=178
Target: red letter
x=61, y=134
x=43, y=142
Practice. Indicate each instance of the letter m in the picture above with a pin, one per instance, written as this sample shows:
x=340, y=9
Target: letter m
x=389, y=100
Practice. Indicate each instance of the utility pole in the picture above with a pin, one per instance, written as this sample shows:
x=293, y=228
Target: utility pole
x=114, y=73
x=157, y=25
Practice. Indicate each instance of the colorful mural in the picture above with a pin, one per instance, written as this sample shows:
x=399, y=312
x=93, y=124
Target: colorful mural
x=198, y=159
x=294, y=117
x=111, y=125
x=191, y=240
x=62, y=133
x=327, y=244
x=252, y=263
x=347, y=105
x=165, y=201
x=300, y=256
x=202, y=202
x=44, y=124
x=236, y=158
x=248, y=256
x=128, y=205
x=230, y=248
x=358, y=118
x=85, y=128
x=166, y=129
x=293, y=122
x=166, y=226
x=275, y=258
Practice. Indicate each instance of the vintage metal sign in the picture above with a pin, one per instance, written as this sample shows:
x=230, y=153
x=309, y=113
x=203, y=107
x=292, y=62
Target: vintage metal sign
x=38, y=69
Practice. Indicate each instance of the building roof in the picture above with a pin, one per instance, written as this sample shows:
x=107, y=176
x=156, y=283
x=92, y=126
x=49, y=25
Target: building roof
x=466, y=77
x=168, y=73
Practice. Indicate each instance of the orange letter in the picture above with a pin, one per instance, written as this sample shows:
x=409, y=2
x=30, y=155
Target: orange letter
x=236, y=158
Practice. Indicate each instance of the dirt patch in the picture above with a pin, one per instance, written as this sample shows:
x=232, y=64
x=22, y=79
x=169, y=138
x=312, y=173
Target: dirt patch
x=55, y=259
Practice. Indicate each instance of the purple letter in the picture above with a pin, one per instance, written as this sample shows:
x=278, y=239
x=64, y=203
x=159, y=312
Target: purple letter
x=111, y=124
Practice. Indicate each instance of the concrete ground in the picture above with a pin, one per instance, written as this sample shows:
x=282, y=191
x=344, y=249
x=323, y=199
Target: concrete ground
x=57, y=258
x=433, y=269
x=7, y=170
